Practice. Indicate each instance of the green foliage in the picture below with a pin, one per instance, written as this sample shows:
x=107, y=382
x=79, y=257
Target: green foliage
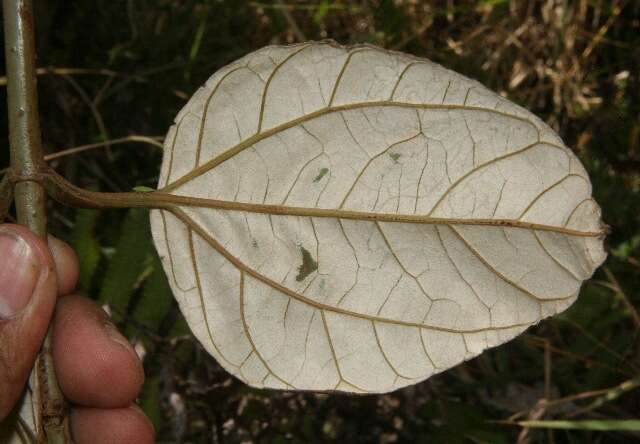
x=156, y=299
x=143, y=189
x=150, y=401
x=464, y=423
x=129, y=263
x=86, y=245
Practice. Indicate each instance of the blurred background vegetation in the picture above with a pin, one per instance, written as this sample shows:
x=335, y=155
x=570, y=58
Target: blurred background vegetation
x=114, y=69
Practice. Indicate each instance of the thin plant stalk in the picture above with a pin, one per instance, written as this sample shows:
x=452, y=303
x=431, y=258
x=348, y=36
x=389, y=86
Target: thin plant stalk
x=26, y=161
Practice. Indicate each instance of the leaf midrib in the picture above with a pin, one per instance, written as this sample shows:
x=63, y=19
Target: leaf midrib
x=241, y=266
x=168, y=201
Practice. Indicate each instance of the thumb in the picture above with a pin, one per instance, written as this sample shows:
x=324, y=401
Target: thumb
x=28, y=291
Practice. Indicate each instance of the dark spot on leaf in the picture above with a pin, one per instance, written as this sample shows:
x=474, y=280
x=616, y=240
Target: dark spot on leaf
x=254, y=243
x=308, y=265
x=395, y=156
x=320, y=175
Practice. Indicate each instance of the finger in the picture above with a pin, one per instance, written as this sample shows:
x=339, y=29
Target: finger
x=28, y=291
x=66, y=261
x=111, y=426
x=96, y=365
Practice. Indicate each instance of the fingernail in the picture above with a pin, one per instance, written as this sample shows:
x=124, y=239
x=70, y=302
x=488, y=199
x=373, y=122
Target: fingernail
x=19, y=274
x=117, y=337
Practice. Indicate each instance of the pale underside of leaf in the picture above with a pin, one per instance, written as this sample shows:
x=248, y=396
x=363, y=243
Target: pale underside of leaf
x=359, y=220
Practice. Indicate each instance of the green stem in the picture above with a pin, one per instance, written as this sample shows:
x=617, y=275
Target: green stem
x=26, y=160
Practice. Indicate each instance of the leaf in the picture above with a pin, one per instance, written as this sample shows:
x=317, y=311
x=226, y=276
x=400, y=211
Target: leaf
x=88, y=248
x=448, y=220
x=150, y=401
x=154, y=303
x=128, y=263
x=142, y=189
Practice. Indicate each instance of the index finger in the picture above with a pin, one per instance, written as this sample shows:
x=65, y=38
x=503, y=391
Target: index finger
x=67, y=267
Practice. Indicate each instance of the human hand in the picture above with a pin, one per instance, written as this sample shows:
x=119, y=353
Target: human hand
x=98, y=370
